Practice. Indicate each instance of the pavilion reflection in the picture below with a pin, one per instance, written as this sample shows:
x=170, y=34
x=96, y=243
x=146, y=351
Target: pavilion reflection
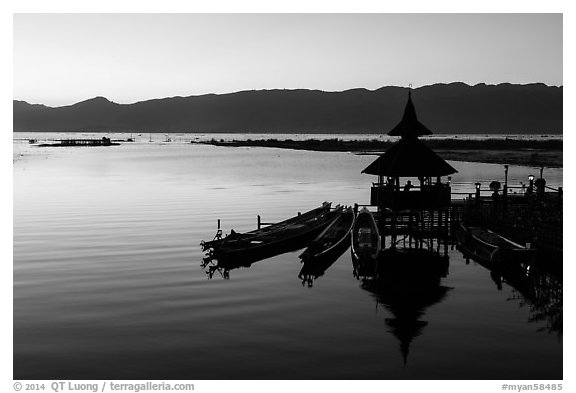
x=406, y=282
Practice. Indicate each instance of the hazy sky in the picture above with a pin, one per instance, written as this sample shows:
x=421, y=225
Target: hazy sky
x=60, y=59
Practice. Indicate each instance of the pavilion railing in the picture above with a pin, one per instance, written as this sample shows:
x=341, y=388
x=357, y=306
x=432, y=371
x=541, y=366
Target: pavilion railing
x=427, y=197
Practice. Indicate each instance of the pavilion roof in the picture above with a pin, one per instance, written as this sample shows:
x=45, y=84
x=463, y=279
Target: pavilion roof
x=409, y=126
x=409, y=157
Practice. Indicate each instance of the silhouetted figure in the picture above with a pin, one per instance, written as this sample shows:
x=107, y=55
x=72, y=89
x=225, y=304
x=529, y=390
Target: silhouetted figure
x=540, y=186
x=408, y=186
x=495, y=187
x=495, y=197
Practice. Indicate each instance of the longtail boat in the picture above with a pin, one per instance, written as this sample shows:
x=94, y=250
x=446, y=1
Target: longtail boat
x=275, y=239
x=333, y=240
x=219, y=240
x=366, y=242
x=488, y=246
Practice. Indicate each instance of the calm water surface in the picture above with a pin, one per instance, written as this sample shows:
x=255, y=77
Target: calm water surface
x=108, y=282
x=187, y=137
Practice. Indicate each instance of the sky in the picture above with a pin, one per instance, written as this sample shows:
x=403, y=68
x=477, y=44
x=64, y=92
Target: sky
x=61, y=59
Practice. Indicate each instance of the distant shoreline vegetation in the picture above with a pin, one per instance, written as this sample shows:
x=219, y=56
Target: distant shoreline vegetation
x=537, y=153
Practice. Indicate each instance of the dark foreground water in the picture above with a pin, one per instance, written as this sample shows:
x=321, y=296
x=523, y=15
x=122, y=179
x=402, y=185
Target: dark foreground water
x=108, y=282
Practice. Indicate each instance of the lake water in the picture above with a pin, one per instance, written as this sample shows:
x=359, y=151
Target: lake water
x=108, y=282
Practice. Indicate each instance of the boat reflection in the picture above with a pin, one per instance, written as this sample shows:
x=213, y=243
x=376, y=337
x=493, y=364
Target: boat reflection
x=406, y=282
x=535, y=288
x=213, y=265
x=542, y=293
x=315, y=268
x=533, y=285
x=243, y=249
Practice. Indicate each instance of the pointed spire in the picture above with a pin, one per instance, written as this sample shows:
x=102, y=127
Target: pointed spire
x=406, y=327
x=409, y=111
x=409, y=126
x=405, y=349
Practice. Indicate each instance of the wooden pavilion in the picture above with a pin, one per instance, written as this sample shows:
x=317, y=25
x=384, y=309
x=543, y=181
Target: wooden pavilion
x=421, y=211
x=410, y=157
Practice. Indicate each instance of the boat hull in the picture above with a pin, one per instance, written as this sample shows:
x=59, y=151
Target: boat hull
x=333, y=241
x=366, y=243
x=247, y=256
x=246, y=250
x=490, y=248
x=219, y=242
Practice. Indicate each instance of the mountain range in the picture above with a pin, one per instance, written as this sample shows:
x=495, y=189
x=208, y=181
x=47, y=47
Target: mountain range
x=454, y=108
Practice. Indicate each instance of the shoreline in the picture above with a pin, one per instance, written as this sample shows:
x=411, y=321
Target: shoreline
x=534, y=153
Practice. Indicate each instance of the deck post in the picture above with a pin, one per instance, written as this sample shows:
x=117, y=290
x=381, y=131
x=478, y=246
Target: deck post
x=422, y=228
x=259, y=221
x=505, y=189
x=430, y=228
x=410, y=228
x=393, y=228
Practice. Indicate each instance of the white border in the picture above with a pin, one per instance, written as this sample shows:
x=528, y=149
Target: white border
x=232, y=6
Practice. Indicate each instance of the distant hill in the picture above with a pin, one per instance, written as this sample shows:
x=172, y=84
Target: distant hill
x=454, y=108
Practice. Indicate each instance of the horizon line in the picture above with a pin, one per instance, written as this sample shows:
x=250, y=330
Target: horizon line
x=290, y=89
